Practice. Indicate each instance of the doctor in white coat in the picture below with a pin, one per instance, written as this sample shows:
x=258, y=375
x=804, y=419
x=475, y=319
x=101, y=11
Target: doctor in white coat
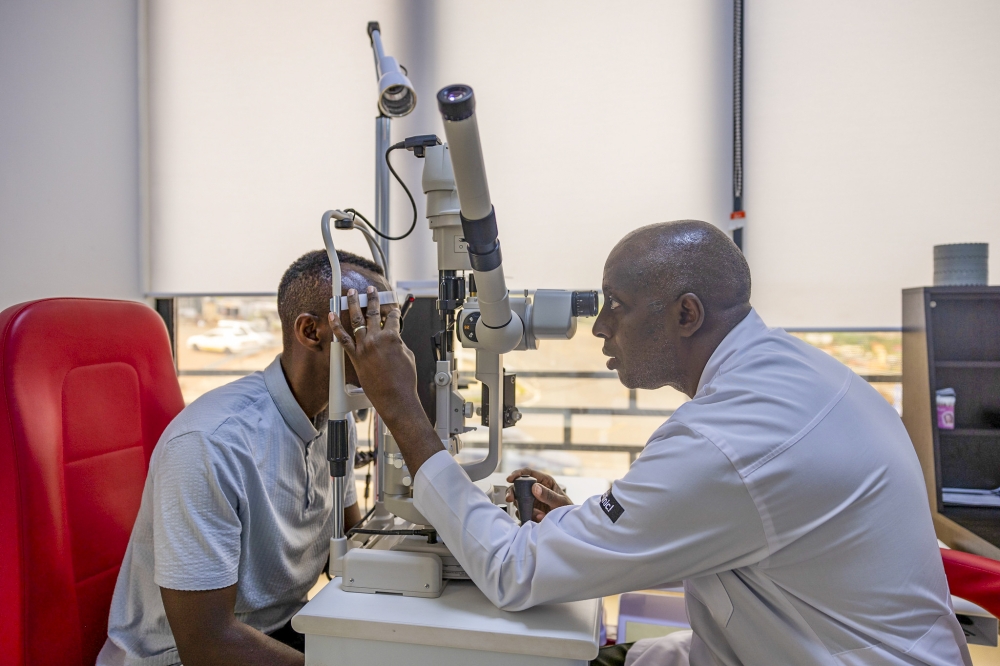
x=785, y=494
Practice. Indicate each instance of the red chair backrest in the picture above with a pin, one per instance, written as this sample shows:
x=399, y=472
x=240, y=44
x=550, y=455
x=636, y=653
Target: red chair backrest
x=973, y=578
x=86, y=389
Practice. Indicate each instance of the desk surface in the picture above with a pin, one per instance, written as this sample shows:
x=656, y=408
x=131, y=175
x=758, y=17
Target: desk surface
x=462, y=617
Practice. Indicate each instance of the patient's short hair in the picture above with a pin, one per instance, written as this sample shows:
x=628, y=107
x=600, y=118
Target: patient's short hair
x=305, y=286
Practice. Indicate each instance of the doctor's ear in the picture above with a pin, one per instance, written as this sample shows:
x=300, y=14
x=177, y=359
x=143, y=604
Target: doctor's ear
x=691, y=315
x=307, y=332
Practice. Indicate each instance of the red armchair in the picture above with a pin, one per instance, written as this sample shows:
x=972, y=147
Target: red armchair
x=86, y=389
x=973, y=578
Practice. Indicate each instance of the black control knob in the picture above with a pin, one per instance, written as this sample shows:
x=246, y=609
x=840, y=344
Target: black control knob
x=522, y=495
x=584, y=303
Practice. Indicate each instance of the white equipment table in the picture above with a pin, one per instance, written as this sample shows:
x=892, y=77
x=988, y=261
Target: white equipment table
x=459, y=628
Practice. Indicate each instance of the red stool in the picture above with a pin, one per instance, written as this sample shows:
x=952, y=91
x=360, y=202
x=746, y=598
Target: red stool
x=86, y=389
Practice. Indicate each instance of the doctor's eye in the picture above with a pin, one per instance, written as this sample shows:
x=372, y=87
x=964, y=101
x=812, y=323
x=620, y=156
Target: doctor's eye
x=612, y=303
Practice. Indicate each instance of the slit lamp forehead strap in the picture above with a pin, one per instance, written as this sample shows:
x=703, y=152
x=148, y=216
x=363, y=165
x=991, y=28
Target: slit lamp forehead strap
x=384, y=298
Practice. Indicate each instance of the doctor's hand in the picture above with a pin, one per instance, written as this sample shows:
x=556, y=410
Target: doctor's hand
x=548, y=494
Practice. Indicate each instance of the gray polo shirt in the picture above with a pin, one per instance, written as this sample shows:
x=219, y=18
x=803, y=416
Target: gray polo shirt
x=238, y=491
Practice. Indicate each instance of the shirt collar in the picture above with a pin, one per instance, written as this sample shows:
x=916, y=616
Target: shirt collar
x=288, y=406
x=742, y=334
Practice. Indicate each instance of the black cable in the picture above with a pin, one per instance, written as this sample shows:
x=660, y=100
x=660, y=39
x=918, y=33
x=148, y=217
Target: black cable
x=362, y=521
x=413, y=204
x=430, y=534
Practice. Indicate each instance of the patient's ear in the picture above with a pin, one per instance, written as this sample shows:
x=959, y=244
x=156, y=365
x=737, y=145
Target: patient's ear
x=307, y=331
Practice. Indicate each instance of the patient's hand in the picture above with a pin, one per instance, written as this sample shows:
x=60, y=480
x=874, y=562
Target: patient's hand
x=387, y=372
x=548, y=494
x=384, y=365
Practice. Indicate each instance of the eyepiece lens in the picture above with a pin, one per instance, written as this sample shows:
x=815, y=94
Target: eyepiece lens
x=456, y=101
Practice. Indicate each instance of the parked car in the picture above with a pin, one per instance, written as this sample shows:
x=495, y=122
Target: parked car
x=266, y=337
x=229, y=339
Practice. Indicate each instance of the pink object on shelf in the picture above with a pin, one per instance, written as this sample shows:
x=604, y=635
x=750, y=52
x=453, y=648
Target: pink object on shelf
x=946, y=409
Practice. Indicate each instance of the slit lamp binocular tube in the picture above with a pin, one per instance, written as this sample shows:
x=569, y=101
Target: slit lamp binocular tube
x=499, y=329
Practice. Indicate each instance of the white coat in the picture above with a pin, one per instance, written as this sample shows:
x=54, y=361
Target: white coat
x=786, y=494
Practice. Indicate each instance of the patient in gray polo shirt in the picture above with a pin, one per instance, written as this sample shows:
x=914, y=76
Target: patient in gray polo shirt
x=234, y=526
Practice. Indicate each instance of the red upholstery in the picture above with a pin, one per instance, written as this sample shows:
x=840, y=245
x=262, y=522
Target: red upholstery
x=973, y=578
x=86, y=388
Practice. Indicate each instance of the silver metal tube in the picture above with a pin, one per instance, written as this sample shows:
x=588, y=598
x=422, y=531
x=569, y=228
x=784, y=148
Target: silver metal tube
x=338, y=507
x=338, y=398
x=470, y=170
x=382, y=142
x=443, y=401
x=376, y=251
x=379, y=459
x=489, y=370
x=377, y=45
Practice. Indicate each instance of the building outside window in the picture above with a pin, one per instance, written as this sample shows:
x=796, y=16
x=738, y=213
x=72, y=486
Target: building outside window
x=577, y=419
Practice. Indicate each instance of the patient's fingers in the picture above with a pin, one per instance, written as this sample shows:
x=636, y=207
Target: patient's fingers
x=342, y=336
x=392, y=320
x=374, y=317
x=356, y=316
x=386, y=309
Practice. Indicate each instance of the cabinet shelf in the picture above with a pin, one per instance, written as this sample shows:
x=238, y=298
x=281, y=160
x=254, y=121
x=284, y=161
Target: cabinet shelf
x=951, y=339
x=976, y=365
x=970, y=432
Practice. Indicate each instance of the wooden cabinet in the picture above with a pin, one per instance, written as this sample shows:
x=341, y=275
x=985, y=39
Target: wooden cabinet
x=951, y=339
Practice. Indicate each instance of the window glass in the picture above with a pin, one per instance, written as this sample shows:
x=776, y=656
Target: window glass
x=577, y=418
x=875, y=355
x=220, y=339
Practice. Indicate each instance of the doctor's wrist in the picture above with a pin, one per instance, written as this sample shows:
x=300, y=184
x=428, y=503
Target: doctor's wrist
x=403, y=410
x=415, y=436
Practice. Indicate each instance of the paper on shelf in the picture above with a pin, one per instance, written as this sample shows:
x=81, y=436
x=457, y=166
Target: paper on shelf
x=971, y=497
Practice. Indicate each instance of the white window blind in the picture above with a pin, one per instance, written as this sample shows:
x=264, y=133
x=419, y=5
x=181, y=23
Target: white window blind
x=596, y=119
x=870, y=136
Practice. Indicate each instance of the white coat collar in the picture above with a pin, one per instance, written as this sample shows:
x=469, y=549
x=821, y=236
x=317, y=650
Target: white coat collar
x=751, y=328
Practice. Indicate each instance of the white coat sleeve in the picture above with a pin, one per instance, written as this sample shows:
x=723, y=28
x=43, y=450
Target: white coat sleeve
x=681, y=511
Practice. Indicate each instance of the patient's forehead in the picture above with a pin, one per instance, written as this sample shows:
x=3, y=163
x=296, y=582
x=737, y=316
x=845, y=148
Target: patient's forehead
x=360, y=279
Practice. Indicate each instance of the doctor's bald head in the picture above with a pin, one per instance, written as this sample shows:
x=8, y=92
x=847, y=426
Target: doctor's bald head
x=689, y=256
x=672, y=292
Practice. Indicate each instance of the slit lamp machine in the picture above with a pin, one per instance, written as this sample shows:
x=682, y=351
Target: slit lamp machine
x=394, y=550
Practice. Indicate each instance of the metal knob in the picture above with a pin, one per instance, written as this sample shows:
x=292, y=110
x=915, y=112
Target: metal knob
x=522, y=494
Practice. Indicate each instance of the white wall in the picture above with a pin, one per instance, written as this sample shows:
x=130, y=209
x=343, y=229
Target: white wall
x=872, y=134
x=69, y=150
x=595, y=120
